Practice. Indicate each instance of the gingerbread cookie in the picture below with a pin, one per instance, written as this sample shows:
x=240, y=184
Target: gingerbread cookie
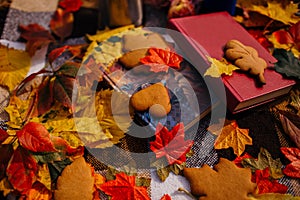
x=143, y=41
x=246, y=58
x=154, y=98
x=224, y=181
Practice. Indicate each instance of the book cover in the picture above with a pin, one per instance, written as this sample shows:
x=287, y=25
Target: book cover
x=211, y=32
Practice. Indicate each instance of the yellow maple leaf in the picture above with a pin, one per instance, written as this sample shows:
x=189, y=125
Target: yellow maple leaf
x=274, y=10
x=233, y=136
x=43, y=175
x=14, y=66
x=5, y=187
x=219, y=67
x=107, y=33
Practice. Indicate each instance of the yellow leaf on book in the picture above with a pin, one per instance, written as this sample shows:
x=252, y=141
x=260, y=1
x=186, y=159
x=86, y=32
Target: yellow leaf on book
x=219, y=67
x=14, y=66
x=234, y=137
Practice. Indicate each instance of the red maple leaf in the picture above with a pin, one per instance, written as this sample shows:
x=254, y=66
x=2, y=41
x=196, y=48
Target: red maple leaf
x=291, y=36
x=36, y=36
x=166, y=197
x=238, y=160
x=171, y=144
x=292, y=169
x=3, y=135
x=124, y=187
x=265, y=184
x=35, y=137
x=160, y=60
x=22, y=170
x=70, y=5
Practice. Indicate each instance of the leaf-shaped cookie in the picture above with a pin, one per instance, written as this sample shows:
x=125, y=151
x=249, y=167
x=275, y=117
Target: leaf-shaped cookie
x=246, y=58
x=224, y=181
x=75, y=182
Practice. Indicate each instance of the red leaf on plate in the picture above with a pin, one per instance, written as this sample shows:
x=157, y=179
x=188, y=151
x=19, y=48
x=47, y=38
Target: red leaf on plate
x=3, y=135
x=55, y=53
x=124, y=187
x=171, y=144
x=265, y=184
x=36, y=36
x=70, y=5
x=160, y=60
x=35, y=137
x=62, y=23
x=293, y=154
x=166, y=197
x=22, y=170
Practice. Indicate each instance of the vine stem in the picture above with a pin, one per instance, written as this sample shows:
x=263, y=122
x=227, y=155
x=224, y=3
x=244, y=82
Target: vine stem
x=187, y=193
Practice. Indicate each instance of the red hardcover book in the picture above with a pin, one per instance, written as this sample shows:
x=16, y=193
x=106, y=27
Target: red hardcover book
x=212, y=31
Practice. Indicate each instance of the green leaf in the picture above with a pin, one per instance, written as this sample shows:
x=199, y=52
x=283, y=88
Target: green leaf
x=163, y=173
x=287, y=63
x=69, y=69
x=57, y=167
x=263, y=161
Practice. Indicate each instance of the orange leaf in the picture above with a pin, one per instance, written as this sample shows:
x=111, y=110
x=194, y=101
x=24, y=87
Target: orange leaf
x=171, y=144
x=38, y=191
x=22, y=170
x=233, y=136
x=36, y=36
x=124, y=187
x=160, y=60
x=35, y=137
x=62, y=23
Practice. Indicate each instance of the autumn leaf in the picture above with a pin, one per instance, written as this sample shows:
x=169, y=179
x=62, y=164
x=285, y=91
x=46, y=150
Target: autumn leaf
x=224, y=180
x=55, y=53
x=61, y=23
x=38, y=192
x=290, y=36
x=263, y=161
x=159, y=60
x=219, y=67
x=35, y=137
x=5, y=156
x=22, y=170
x=287, y=46
x=273, y=9
x=291, y=129
x=234, y=137
x=36, y=36
x=5, y=187
x=166, y=197
x=287, y=64
x=238, y=160
x=171, y=144
x=75, y=182
x=62, y=145
x=124, y=187
x=267, y=185
x=261, y=38
x=70, y=5
x=293, y=154
x=14, y=66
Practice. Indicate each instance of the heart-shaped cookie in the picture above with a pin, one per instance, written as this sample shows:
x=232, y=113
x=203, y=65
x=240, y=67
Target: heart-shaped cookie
x=154, y=95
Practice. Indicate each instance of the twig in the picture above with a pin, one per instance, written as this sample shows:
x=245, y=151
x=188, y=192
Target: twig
x=187, y=192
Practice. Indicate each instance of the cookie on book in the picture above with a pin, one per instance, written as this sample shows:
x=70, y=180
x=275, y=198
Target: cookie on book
x=224, y=181
x=132, y=58
x=154, y=98
x=143, y=41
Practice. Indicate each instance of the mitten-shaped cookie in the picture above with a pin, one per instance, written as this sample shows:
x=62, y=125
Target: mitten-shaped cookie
x=246, y=58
